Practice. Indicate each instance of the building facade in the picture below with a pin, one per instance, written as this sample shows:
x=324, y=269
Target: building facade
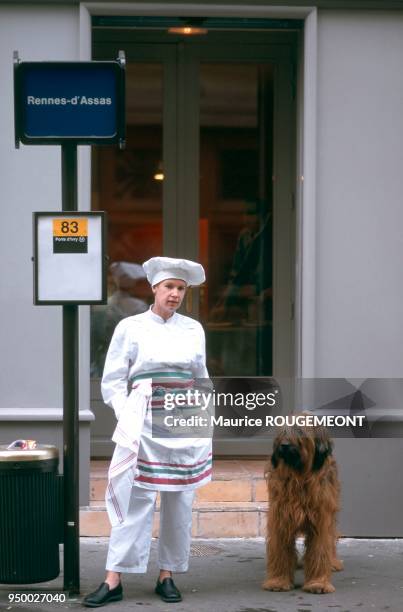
x=279, y=135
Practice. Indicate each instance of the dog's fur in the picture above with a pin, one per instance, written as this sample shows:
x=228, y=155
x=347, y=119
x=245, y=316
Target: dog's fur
x=303, y=490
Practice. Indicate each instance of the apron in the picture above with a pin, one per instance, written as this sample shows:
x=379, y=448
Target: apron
x=156, y=463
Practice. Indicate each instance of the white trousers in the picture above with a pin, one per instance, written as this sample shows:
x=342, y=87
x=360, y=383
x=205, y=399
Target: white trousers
x=130, y=541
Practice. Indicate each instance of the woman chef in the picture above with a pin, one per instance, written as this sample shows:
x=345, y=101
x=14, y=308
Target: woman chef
x=153, y=353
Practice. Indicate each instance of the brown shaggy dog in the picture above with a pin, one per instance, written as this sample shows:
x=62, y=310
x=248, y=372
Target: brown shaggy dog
x=303, y=490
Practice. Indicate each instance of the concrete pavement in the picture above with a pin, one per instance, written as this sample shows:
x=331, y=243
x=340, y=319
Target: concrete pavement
x=225, y=576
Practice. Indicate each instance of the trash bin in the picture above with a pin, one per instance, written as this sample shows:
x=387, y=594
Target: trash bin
x=29, y=514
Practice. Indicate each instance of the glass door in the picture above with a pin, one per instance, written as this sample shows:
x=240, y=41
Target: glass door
x=206, y=175
x=236, y=212
x=236, y=216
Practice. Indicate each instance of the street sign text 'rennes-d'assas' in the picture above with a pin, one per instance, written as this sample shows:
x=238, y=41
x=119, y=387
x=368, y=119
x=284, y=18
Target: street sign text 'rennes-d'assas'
x=80, y=102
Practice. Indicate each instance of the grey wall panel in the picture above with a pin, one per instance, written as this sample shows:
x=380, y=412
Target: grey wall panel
x=30, y=373
x=359, y=242
x=359, y=194
x=371, y=497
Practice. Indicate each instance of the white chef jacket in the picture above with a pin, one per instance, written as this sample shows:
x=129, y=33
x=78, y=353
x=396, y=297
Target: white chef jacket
x=145, y=347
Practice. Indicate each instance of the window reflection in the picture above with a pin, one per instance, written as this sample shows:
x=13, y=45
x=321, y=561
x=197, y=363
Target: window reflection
x=236, y=224
x=125, y=185
x=128, y=294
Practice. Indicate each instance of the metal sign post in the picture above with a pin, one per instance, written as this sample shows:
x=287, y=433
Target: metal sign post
x=70, y=103
x=71, y=532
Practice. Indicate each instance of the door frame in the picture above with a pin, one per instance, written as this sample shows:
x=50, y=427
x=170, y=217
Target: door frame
x=305, y=179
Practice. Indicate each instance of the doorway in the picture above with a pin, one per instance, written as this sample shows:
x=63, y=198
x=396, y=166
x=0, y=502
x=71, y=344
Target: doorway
x=207, y=174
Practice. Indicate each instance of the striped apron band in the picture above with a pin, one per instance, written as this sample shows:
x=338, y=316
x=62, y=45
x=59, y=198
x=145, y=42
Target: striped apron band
x=163, y=382
x=174, y=474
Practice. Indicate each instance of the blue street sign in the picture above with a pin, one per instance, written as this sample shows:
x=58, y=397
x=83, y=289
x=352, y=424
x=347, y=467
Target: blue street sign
x=82, y=102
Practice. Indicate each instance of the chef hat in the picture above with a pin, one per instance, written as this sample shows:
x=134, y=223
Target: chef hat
x=161, y=268
x=120, y=269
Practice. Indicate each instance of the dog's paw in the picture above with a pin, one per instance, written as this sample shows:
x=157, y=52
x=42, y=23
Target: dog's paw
x=337, y=565
x=277, y=584
x=318, y=586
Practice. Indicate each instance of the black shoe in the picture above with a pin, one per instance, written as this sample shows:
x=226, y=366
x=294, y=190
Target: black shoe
x=168, y=591
x=103, y=595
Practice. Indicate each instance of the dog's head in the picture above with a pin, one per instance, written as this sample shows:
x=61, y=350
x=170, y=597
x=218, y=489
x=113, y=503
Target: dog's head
x=303, y=449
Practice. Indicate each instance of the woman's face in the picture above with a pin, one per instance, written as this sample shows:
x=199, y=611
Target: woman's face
x=168, y=296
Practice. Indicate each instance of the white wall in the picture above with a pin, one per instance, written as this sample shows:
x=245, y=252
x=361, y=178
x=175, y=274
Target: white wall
x=359, y=328
x=31, y=366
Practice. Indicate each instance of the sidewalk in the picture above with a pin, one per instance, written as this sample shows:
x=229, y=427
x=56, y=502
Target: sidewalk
x=225, y=576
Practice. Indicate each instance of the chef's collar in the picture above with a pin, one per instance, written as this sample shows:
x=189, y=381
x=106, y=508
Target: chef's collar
x=159, y=319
